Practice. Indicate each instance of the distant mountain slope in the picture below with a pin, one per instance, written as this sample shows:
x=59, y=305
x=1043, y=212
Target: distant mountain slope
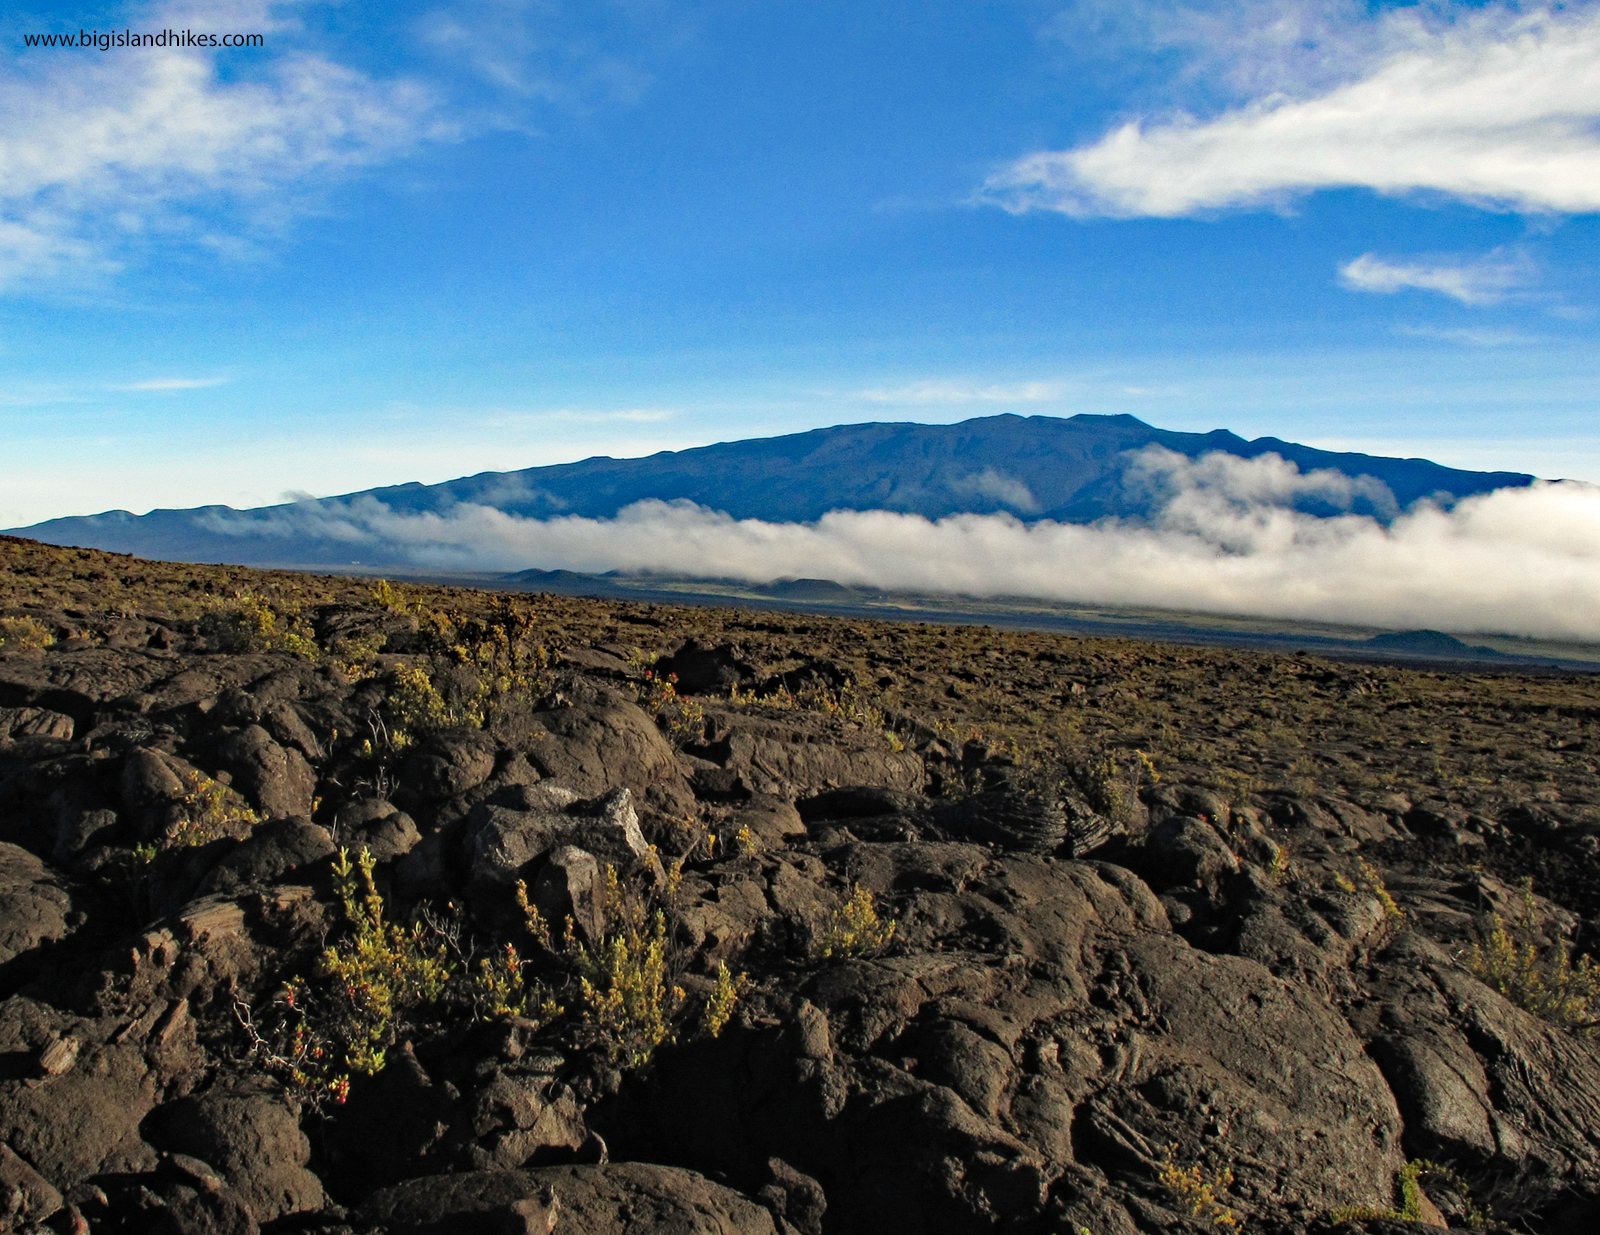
x=1036, y=467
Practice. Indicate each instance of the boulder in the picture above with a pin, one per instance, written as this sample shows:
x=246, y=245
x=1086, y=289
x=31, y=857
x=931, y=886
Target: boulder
x=571, y=888
x=76, y=1111
x=35, y=908
x=1186, y=851
x=394, y=1123
x=194, y=1199
x=149, y=785
x=705, y=670
x=620, y=1198
x=254, y=1141
x=18, y=723
x=1039, y=1031
x=520, y=1117
x=274, y=852
x=39, y=1198
x=379, y=827
x=446, y=764
x=796, y=760
x=280, y=782
x=594, y=748
x=503, y=843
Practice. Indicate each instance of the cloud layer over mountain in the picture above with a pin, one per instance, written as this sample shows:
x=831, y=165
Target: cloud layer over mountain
x=1224, y=538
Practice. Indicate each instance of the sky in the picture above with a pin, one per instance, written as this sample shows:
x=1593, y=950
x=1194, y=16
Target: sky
x=420, y=240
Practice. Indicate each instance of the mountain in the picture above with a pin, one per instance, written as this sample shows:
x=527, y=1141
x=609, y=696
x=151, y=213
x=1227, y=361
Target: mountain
x=1037, y=467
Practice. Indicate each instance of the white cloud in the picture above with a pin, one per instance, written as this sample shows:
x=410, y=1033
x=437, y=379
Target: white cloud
x=1494, y=107
x=174, y=383
x=945, y=391
x=1226, y=540
x=998, y=487
x=103, y=153
x=1471, y=336
x=1476, y=281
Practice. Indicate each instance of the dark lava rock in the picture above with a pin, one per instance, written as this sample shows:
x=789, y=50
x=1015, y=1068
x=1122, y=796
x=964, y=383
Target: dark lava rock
x=443, y=765
x=274, y=851
x=280, y=782
x=35, y=907
x=623, y=1198
x=705, y=671
x=255, y=1142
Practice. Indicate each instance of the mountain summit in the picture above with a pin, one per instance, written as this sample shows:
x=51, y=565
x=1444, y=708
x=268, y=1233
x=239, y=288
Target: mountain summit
x=1072, y=470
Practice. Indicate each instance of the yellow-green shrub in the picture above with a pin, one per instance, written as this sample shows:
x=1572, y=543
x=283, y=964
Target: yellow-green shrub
x=1543, y=981
x=683, y=719
x=376, y=972
x=1197, y=1192
x=627, y=982
x=209, y=811
x=24, y=633
x=855, y=928
x=251, y=623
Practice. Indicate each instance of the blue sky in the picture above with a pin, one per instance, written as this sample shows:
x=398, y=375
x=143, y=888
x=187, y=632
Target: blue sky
x=413, y=241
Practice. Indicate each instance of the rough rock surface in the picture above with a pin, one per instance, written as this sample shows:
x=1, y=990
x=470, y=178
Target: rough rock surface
x=619, y=1199
x=861, y=928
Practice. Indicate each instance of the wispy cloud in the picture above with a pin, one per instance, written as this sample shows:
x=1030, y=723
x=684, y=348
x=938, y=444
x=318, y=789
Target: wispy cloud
x=1226, y=539
x=1476, y=281
x=102, y=155
x=624, y=415
x=1496, y=107
x=945, y=391
x=174, y=383
x=1471, y=336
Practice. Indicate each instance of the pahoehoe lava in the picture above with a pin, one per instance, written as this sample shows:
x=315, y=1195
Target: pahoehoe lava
x=333, y=906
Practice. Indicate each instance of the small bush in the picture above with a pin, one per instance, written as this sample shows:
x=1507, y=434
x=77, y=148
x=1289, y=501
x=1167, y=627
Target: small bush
x=1411, y=1196
x=209, y=811
x=1543, y=981
x=24, y=633
x=1367, y=878
x=724, y=998
x=415, y=708
x=855, y=928
x=1196, y=1193
x=626, y=981
x=504, y=984
x=629, y=995
x=684, y=720
x=377, y=972
x=251, y=623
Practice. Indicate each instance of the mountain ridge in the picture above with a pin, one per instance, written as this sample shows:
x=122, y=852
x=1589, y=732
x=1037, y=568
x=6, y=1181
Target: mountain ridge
x=1072, y=470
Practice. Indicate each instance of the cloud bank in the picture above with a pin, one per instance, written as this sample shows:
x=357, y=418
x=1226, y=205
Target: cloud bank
x=1496, y=107
x=1225, y=539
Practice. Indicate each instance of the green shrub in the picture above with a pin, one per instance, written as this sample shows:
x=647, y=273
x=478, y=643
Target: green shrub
x=629, y=995
x=251, y=623
x=626, y=980
x=1367, y=878
x=855, y=928
x=208, y=811
x=374, y=974
x=1543, y=981
x=24, y=633
x=1412, y=1196
x=684, y=720
x=1197, y=1193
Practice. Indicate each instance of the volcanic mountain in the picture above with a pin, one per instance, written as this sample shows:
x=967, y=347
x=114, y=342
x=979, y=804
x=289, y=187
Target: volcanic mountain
x=1072, y=470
